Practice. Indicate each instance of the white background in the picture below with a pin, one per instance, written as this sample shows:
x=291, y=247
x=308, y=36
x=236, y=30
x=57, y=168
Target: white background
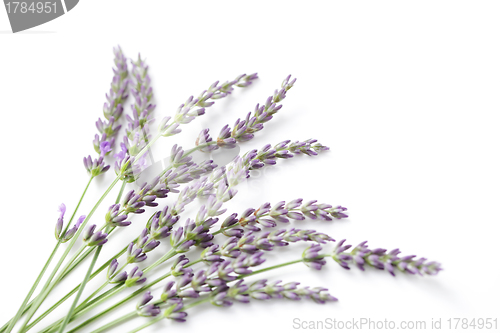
x=406, y=94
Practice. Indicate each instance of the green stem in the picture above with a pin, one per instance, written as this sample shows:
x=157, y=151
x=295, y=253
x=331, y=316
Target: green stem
x=80, y=290
x=146, y=147
x=163, y=259
x=74, y=290
x=87, y=276
x=88, y=307
x=123, y=301
x=47, y=263
x=52, y=327
x=160, y=261
x=242, y=276
x=21, y=310
x=43, y=294
x=91, y=297
x=200, y=301
x=161, y=278
x=149, y=323
x=133, y=314
x=45, y=291
x=114, y=322
x=192, y=150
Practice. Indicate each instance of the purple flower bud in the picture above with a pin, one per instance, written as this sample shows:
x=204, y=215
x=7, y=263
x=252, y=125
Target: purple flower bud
x=149, y=310
x=58, y=228
x=62, y=210
x=183, y=281
x=88, y=232
x=295, y=216
x=184, y=247
x=189, y=293
x=208, y=255
x=260, y=295
x=105, y=148
x=224, y=271
x=120, y=277
x=173, y=311
x=168, y=292
x=176, y=236
x=135, y=277
x=177, y=316
x=150, y=246
x=95, y=167
x=97, y=239
x=145, y=298
x=312, y=258
x=338, y=212
x=112, y=268
x=234, y=232
x=135, y=255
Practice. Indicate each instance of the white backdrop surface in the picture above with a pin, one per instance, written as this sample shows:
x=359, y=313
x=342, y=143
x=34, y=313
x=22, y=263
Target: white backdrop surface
x=406, y=95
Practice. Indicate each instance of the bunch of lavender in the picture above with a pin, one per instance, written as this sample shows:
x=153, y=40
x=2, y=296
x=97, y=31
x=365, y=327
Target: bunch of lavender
x=233, y=247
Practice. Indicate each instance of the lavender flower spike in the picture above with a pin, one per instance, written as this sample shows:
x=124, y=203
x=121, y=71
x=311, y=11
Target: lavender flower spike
x=94, y=238
x=135, y=277
x=138, y=135
x=312, y=258
x=244, y=129
x=60, y=220
x=115, y=217
x=379, y=258
x=113, y=108
x=60, y=223
x=187, y=112
x=71, y=232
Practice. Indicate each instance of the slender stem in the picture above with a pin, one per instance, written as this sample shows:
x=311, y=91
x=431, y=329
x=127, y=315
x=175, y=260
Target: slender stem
x=45, y=291
x=146, y=147
x=242, y=276
x=47, y=263
x=133, y=314
x=74, y=290
x=123, y=301
x=198, y=302
x=20, y=312
x=77, y=261
x=161, y=278
x=43, y=294
x=74, y=264
x=56, y=324
x=163, y=259
x=91, y=297
x=101, y=298
x=160, y=261
x=192, y=150
x=80, y=290
x=122, y=188
x=167, y=256
x=114, y=322
x=149, y=323
x=87, y=275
